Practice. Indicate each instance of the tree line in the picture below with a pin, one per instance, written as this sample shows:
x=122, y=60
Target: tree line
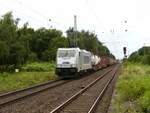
x=141, y=56
x=25, y=44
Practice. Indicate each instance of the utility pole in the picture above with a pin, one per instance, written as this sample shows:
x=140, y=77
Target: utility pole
x=75, y=31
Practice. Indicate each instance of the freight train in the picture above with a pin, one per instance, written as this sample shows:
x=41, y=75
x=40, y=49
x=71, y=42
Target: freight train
x=71, y=62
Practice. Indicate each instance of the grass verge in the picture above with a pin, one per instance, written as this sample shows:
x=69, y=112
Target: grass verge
x=31, y=74
x=132, y=90
x=10, y=81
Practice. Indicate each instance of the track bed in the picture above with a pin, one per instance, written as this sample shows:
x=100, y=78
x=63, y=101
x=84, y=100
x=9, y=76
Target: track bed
x=47, y=100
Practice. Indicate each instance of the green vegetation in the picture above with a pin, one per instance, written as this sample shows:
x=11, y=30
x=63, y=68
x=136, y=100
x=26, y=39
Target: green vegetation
x=141, y=56
x=31, y=74
x=36, y=66
x=23, y=79
x=133, y=89
x=21, y=45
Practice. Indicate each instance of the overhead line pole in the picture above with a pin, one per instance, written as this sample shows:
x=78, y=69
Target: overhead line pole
x=75, y=31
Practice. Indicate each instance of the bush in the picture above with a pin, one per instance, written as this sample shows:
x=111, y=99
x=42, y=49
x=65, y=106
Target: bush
x=11, y=68
x=144, y=102
x=36, y=66
x=134, y=87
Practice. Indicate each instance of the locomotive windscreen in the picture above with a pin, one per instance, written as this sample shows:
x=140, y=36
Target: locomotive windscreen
x=66, y=53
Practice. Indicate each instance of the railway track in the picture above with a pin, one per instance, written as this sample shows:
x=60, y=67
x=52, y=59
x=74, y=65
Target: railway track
x=44, y=101
x=86, y=100
x=10, y=97
x=13, y=96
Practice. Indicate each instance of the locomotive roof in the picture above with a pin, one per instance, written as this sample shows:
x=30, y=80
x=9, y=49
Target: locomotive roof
x=69, y=49
x=78, y=49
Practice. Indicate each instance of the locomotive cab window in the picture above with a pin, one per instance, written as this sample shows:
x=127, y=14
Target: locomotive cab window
x=66, y=53
x=86, y=59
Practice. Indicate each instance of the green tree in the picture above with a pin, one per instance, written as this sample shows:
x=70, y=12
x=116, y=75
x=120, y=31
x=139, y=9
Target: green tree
x=8, y=27
x=4, y=53
x=17, y=53
x=25, y=36
x=141, y=56
x=88, y=41
x=45, y=43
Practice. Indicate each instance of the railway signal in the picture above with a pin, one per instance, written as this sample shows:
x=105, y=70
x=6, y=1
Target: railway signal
x=125, y=52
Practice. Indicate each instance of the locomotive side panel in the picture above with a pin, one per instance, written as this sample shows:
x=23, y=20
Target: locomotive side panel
x=85, y=60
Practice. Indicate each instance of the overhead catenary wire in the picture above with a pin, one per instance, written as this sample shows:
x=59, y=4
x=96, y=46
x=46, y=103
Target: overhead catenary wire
x=18, y=12
x=100, y=23
x=45, y=18
x=33, y=11
x=95, y=15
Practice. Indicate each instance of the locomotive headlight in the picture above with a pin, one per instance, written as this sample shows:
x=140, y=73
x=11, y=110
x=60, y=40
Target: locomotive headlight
x=72, y=65
x=59, y=65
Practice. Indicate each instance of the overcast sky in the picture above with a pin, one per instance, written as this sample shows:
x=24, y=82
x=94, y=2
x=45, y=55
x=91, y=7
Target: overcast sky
x=107, y=18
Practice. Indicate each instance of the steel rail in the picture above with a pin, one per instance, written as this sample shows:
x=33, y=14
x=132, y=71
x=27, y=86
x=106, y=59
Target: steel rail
x=57, y=109
x=93, y=108
x=25, y=89
x=29, y=94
